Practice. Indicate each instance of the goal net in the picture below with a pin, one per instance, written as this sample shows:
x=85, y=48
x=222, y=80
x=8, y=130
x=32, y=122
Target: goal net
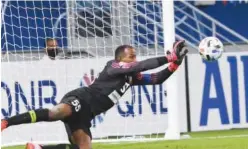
x=83, y=35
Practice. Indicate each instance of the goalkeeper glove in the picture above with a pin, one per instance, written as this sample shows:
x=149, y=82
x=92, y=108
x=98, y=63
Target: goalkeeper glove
x=179, y=50
x=174, y=65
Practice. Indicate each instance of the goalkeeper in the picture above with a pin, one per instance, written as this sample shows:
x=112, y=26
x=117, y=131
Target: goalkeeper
x=78, y=107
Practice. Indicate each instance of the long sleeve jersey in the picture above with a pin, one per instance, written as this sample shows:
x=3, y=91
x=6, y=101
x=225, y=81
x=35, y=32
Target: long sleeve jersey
x=115, y=79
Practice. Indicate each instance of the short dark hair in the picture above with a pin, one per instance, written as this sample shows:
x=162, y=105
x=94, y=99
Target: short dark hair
x=119, y=51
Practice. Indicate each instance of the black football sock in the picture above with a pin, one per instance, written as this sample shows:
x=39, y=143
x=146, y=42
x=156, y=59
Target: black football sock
x=61, y=146
x=29, y=117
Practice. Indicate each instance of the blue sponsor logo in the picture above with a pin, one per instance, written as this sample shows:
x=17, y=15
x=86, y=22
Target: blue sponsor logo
x=212, y=73
x=18, y=99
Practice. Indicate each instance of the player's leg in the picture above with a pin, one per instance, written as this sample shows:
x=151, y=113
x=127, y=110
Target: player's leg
x=77, y=126
x=72, y=144
x=69, y=134
x=81, y=138
x=59, y=146
x=58, y=112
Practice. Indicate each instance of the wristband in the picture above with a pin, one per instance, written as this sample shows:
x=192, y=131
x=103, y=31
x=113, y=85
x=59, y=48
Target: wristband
x=173, y=67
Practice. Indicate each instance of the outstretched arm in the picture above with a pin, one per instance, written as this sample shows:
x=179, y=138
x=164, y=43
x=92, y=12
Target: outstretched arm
x=154, y=78
x=159, y=77
x=116, y=68
x=131, y=68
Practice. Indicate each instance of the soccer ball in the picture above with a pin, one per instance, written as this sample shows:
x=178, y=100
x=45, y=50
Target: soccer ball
x=211, y=48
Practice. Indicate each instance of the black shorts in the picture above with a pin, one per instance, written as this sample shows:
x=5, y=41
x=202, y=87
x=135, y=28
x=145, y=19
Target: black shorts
x=81, y=115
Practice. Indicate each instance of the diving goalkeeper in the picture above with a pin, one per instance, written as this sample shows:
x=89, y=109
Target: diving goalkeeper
x=78, y=107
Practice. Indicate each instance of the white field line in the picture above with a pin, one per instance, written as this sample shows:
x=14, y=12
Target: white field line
x=132, y=140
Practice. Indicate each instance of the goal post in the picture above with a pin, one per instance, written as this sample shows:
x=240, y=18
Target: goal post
x=173, y=130
x=87, y=33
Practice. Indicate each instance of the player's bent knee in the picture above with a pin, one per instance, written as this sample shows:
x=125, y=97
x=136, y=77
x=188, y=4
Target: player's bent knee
x=60, y=112
x=82, y=139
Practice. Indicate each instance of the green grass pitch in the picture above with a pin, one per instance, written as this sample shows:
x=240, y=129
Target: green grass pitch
x=228, y=139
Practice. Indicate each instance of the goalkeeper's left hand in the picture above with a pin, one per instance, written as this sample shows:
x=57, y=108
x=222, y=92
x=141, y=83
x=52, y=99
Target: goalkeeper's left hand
x=174, y=65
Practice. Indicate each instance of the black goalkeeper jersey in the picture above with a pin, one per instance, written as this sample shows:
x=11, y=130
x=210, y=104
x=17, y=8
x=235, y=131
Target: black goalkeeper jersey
x=114, y=81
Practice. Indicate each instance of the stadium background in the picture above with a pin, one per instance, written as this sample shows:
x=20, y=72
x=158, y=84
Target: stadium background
x=24, y=32
x=40, y=18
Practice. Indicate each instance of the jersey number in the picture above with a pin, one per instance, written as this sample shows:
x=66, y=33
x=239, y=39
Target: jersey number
x=125, y=87
x=115, y=96
x=76, y=105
